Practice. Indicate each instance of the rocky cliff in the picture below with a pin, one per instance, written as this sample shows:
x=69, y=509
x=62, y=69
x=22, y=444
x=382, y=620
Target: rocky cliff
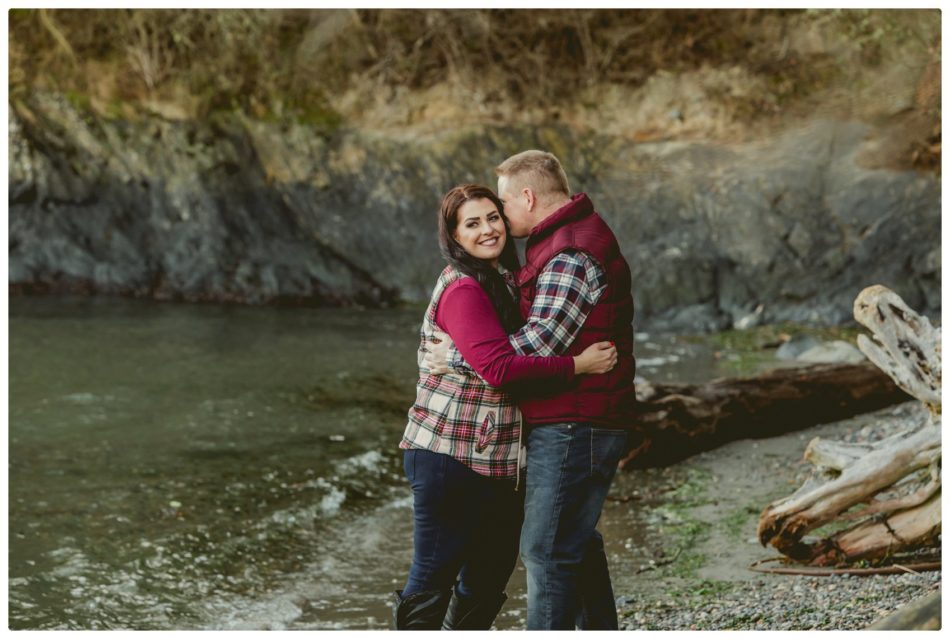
x=786, y=227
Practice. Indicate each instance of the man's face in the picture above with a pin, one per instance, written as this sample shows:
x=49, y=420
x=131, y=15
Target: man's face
x=516, y=208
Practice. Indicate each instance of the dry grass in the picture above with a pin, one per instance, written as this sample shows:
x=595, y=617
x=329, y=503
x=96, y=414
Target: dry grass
x=319, y=66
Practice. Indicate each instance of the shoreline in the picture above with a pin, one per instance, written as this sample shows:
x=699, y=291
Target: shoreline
x=706, y=522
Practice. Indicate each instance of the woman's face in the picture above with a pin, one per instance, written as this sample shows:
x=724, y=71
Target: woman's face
x=481, y=229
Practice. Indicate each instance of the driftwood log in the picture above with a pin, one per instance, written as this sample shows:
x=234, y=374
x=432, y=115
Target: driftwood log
x=923, y=614
x=886, y=493
x=680, y=420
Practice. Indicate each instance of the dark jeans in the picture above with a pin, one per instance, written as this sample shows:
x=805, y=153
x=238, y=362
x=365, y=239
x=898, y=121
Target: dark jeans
x=570, y=467
x=466, y=526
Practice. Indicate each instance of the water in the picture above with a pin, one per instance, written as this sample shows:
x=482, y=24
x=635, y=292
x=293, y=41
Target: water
x=222, y=467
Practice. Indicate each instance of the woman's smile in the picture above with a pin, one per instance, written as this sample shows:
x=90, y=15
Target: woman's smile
x=481, y=229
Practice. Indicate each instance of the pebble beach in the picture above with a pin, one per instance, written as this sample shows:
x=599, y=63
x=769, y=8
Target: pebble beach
x=707, y=583
x=794, y=603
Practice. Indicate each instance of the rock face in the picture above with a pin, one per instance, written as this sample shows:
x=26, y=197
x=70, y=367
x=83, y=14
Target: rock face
x=788, y=228
x=164, y=210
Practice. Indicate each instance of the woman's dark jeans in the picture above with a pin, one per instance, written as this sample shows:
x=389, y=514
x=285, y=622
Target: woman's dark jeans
x=466, y=526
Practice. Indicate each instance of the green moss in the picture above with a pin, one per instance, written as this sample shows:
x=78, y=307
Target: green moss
x=316, y=115
x=739, y=520
x=79, y=101
x=555, y=143
x=114, y=110
x=741, y=622
x=690, y=558
x=753, y=350
x=324, y=119
x=691, y=491
x=713, y=589
x=769, y=336
x=693, y=596
x=698, y=594
x=744, y=364
x=682, y=528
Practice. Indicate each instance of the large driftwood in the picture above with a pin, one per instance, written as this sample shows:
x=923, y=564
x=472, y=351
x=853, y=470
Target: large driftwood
x=680, y=420
x=891, y=489
x=910, y=346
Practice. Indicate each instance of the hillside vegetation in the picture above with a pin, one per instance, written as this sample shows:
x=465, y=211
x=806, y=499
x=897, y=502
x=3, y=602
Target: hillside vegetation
x=647, y=73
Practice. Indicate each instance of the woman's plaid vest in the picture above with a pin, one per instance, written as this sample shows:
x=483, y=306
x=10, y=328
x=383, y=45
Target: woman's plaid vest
x=458, y=415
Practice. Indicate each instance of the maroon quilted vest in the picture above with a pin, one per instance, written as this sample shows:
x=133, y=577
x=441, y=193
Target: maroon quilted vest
x=608, y=399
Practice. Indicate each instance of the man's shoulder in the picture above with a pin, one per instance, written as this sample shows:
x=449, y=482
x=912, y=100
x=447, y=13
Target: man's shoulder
x=572, y=258
x=575, y=269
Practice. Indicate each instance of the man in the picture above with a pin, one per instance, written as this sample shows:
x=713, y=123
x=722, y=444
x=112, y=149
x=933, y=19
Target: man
x=574, y=291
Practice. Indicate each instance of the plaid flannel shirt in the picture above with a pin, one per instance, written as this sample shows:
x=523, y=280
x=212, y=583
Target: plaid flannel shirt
x=568, y=288
x=458, y=414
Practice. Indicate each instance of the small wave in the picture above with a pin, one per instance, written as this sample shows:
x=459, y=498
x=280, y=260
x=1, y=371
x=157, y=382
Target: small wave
x=328, y=506
x=657, y=361
x=369, y=461
x=331, y=502
x=94, y=595
x=399, y=504
x=73, y=562
x=82, y=398
x=275, y=613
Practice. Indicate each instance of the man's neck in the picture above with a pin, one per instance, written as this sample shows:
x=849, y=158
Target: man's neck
x=544, y=212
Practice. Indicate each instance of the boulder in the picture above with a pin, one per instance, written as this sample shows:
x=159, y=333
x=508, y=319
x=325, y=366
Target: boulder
x=798, y=344
x=836, y=352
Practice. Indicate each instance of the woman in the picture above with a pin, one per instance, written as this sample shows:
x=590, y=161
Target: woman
x=463, y=437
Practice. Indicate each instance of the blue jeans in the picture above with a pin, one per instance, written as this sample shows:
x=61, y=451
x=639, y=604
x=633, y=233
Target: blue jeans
x=570, y=467
x=466, y=526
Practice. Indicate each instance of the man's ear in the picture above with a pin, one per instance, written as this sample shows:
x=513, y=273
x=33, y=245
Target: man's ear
x=529, y=195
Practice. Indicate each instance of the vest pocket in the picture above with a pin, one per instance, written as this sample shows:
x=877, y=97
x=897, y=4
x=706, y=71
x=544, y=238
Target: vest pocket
x=435, y=403
x=486, y=433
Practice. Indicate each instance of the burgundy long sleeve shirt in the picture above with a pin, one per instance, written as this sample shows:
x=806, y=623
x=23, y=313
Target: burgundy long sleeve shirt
x=466, y=313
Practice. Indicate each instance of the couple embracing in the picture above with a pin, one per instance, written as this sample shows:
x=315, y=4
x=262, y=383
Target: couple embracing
x=519, y=367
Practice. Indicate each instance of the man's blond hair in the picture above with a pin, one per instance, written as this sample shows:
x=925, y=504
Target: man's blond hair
x=539, y=171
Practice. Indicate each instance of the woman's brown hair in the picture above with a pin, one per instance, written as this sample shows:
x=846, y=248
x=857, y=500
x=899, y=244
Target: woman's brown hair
x=481, y=270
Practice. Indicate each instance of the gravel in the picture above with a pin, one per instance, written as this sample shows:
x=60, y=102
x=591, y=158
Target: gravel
x=794, y=603
x=720, y=592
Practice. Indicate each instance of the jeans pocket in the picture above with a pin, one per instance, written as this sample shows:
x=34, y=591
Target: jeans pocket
x=607, y=446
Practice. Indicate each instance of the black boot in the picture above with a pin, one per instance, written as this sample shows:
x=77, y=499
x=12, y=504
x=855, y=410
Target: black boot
x=420, y=610
x=472, y=613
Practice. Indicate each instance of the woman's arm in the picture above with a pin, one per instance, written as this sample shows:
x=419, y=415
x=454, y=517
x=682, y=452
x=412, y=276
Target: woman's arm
x=467, y=315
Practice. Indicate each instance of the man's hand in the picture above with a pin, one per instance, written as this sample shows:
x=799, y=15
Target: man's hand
x=436, y=360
